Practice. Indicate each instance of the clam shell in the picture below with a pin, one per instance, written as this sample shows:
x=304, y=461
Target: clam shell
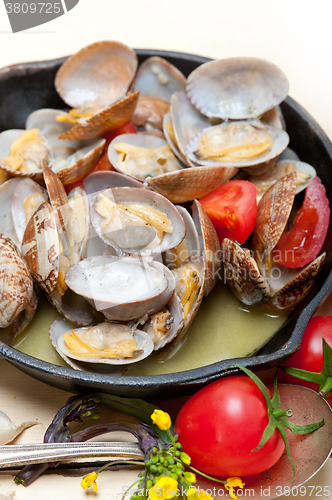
x=99, y=181
x=210, y=246
x=242, y=275
x=57, y=329
x=290, y=295
x=40, y=248
x=174, y=306
x=305, y=173
x=150, y=169
x=274, y=210
x=236, y=88
x=16, y=285
x=121, y=288
x=50, y=128
x=187, y=123
x=73, y=307
x=168, y=131
x=143, y=340
x=274, y=118
x=190, y=183
x=175, y=256
x=198, y=262
x=101, y=72
x=25, y=188
x=6, y=139
x=79, y=163
x=150, y=112
x=6, y=220
x=280, y=141
x=159, y=78
x=109, y=119
x=132, y=242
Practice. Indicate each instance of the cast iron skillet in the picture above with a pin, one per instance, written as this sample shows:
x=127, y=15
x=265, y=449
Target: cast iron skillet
x=27, y=87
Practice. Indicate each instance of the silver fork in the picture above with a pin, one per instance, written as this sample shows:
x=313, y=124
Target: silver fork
x=25, y=454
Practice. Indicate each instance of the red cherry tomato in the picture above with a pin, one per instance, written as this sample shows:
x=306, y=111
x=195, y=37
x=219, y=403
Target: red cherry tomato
x=103, y=162
x=310, y=355
x=303, y=242
x=232, y=209
x=221, y=425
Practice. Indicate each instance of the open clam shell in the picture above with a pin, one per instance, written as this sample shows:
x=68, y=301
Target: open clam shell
x=191, y=245
x=189, y=286
x=33, y=157
x=159, y=78
x=101, y=336
x=99, y=73
x=40, y=248
x=210, y=246
x=212, y=136
x=149, y=113
x=106, y=120
x=190, y=183
x=79, y=163
x=121, y=288
x=142, y=156
x=187, y=123
x=99, y=181
x=236, y=88
x=305, y=173
x=126, y=235
x=165, y=325
x=242, y=275
x=7, y=226
x=27, y=197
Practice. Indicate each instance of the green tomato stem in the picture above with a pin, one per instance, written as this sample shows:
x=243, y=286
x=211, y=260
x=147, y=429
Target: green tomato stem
x=282, y=413
x=326, y=389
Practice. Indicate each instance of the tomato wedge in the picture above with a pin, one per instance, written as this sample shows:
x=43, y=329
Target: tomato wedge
x=103, y=163
x=232, y=209
x=299, y=246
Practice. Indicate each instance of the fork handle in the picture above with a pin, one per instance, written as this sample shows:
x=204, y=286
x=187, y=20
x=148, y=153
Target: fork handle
x=25, y=454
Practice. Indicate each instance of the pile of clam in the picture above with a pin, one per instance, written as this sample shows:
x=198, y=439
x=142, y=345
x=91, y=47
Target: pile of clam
x=125, y=267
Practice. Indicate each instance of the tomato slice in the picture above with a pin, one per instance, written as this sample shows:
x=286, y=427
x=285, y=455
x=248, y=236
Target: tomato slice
x=303, y=242
x=103, y=163
x=232, y=209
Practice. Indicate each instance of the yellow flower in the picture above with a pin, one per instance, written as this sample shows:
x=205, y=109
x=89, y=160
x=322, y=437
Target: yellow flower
x=164, y=488
x=90, y=480
x=196, y=494
x=185, y=458
x=161, y=419
x=190, y=477
x=231, y=483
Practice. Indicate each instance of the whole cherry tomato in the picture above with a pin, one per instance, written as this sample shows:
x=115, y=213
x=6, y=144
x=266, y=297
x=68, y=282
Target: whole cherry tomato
x=310, y=355
x=221, y=425
x=303, y=242
x=232, y=209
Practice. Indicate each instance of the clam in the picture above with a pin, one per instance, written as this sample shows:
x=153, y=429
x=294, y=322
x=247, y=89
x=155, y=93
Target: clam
x=26, y=198
x=238, y=144
x=95, y=82
x=121, y=288
x=70, y=159
x=236, y=88
x=261, y=280
x=149, y=114
x=7, y=226
x=22, y=152
x=111, y=343
x=305, y=173
x=18, y=299
x=187, y=122
x=159, y=78
x=136, y=220
x=142, y=156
